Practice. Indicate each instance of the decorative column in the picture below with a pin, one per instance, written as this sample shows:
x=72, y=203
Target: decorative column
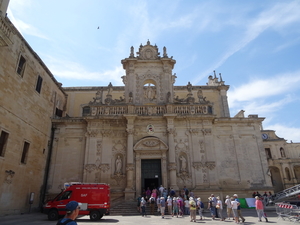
x=130, y=186
x=172, y=158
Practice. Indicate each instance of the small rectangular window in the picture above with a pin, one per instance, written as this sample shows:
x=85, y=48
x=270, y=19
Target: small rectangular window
x=21, y=66
x=39, y=82
x=3, y=141
x=58, y=112
x=25, y=152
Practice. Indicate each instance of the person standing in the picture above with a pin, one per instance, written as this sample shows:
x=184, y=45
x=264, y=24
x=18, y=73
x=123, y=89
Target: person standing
x=143, y=206
x=162, y=207
x=211, y=208
x=175, y=207
x=220, y=208
x=169, y=203
x=234, y=206
x=239, y=208
x=72, y=208
x=158, y=204
x=138, y=203
x=260, y=209
x=187, y=207
x=200, y=207
x=152, y=205
x=229, y=208
x=192, y=209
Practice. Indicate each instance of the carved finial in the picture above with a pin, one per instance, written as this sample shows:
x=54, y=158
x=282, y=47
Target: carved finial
x=215, y=76
x=148, y=42
x=220, y=77
x=165, y=55
x=131, y=52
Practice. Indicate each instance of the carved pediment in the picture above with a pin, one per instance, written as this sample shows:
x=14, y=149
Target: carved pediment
x=150, y=143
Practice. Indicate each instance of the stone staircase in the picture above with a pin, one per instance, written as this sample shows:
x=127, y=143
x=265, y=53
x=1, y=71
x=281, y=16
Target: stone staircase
x=124, y=208
x=129, y=208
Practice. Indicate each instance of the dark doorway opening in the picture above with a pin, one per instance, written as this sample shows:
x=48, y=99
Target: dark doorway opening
x=151, y=183
x=151, y=173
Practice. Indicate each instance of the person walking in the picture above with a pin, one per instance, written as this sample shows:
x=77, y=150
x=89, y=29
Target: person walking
x=187, y=207
x=143, y=206
x=239, y=208
x=234, y=206
x=162, y=207
x=158, y=204
x=152, y=205
x=192, y=209
x=260, y=209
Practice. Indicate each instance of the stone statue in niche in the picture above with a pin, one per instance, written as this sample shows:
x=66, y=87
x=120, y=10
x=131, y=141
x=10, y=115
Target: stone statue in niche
x=118, y=165
x=183, y=164
x=149, y=93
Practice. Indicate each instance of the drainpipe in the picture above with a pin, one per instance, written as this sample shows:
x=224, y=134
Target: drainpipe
x=47, y=168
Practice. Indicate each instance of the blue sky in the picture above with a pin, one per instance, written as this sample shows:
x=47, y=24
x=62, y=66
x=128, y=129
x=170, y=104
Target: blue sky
x=254, y=44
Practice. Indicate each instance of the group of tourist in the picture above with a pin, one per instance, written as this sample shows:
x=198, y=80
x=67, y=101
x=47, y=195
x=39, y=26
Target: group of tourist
x=186, y=204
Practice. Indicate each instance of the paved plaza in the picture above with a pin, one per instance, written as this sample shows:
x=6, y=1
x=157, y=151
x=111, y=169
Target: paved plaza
x=39, y=218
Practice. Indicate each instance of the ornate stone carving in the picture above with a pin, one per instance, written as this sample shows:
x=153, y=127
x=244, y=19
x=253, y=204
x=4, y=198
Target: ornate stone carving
x=130, y=167
x=106, y=133
x=151, y=143
x=99, y=147
x=90, y=167
x=198, y=165
x=172, y=166
x=206, y=131
x=171, y=131
x=194, y=131
x=104, y=167
x=9, y=176
x=210, y=165
x=201, y=146
x=92, y=132
x=130, y=131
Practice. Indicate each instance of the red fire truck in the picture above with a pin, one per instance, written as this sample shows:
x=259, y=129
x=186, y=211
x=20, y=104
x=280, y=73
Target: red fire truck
x=95, y=200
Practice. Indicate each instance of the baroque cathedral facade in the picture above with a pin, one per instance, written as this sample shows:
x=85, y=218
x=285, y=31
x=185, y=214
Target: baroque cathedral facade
x=146, y=133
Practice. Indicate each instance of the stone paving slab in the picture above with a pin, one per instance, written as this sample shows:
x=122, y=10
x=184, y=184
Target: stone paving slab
x=39, y=218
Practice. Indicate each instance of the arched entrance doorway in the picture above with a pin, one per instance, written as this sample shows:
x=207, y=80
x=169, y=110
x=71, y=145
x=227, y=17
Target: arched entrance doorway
x=276, y=179
x=151, y=163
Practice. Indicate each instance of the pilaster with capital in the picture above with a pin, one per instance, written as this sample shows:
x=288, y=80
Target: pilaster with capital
x=172, y=160
x=130, y=190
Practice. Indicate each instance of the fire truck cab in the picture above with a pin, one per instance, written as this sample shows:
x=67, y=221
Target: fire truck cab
x=95, y=200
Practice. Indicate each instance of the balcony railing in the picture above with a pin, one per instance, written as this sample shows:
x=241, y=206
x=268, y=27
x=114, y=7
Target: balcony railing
x=106, y=110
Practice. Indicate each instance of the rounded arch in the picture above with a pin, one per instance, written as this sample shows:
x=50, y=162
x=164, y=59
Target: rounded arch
x=276, y=178
x=150, y=143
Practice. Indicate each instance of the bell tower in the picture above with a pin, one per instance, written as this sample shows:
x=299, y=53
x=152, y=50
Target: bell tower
x=148, y=78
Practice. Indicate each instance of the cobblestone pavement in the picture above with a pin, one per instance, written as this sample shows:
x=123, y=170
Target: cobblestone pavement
x=249, y=214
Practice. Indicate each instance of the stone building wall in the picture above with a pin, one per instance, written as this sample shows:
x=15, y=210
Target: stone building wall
x=25, y=117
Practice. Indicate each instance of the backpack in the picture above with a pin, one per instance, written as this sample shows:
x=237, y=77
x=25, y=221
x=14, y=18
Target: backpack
x=152, y=200
x=64, y=223
x=201, y=205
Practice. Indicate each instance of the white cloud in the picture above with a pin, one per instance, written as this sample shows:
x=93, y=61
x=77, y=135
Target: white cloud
x=289, y=133
x=280, y=15
x=71, y=70
x=23, y=27
x=259, y=88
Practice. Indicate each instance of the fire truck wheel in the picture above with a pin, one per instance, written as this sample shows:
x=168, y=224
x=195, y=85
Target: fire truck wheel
x=95, y=215
x=53, y=214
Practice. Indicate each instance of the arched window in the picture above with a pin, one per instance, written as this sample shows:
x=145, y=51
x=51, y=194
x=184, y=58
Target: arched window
x=287, y=172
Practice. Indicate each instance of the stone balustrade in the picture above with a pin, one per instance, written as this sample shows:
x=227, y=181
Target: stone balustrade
x=5, y=33
x=147, y=110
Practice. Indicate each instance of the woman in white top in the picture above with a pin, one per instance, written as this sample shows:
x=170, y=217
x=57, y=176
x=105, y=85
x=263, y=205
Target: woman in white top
x=234, y=205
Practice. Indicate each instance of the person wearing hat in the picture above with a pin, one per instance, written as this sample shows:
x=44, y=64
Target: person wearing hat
x=200, y=207
x=72, y=209
x=162, y=207
x=260, y=209
x=229, y=207
x=192, y=209
x=239, y=208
